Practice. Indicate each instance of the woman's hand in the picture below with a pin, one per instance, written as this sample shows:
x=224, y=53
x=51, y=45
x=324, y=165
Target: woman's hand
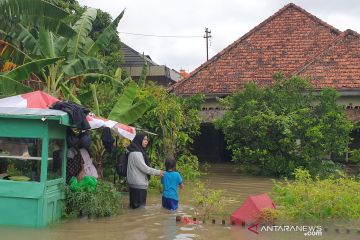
x=161, y=173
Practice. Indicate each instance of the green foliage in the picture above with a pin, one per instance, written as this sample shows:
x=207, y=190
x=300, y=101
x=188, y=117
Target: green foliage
x=155, y=184
x=10, y=87
x=355, y=156
x=207, y=202
x=142, y=79
x=128, y=108
x=10, y=82
x=313, y=199
x=176, y=121
x=33, y=12
x=327, y=169
x=278, y=129
x=23, y=72
x=188, y=166
x=104, y=201
x=78, y=52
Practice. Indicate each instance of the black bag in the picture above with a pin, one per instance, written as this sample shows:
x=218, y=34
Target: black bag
x=122, y=163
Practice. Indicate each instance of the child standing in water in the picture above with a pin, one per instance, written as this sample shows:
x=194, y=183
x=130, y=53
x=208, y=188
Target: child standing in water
x=171, y=181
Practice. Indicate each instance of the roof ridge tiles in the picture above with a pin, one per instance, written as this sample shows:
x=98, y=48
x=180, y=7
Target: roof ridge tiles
x=326, y=49
x=249, y=33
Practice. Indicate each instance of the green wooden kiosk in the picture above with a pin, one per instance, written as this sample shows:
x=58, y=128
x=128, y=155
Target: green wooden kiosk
x=32, y=165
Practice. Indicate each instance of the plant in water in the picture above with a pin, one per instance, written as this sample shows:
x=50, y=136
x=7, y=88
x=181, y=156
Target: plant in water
x=104, y=201
x=155, y=185
x=308, y=198
x=208, y=202
x=188, y=166
x=176, y=121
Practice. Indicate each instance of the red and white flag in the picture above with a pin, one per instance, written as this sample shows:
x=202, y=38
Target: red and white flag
x=43, y=100
x=119, y=128
x=36, y=99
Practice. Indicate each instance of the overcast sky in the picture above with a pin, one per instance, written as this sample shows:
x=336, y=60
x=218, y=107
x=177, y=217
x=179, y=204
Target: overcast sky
x=228, y=20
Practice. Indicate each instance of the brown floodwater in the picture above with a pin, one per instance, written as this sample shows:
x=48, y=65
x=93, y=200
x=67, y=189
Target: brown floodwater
x=153, y=222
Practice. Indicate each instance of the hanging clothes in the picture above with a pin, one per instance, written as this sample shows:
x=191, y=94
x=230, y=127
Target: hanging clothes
x=77, y=113
x=89, y=168
x=107, y=139
x=74, y=163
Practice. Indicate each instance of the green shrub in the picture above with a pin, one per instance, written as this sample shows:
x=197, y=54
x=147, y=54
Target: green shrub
x=155, y=184
x=207, y=202
x=176, y=121
x=104, y=201
x=188, y=167
x=284, y=127
x=306, y=198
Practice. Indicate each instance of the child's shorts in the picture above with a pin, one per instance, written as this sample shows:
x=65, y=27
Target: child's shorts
x=170, y=203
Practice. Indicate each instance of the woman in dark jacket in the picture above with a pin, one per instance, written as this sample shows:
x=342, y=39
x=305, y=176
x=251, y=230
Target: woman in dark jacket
x=138, y=170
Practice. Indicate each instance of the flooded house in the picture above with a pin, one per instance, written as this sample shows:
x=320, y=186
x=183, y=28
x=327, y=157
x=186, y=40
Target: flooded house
x=293, y=41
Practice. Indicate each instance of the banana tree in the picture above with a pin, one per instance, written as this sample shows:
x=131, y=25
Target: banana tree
x=77, y=55
x=33, y=13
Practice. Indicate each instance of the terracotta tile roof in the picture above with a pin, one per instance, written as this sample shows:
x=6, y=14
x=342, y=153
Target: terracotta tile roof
x=338, y=66
x=285, y=41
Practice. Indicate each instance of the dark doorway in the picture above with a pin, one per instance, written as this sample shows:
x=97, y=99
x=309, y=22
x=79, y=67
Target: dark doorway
x=210, y=145
x=355, y=135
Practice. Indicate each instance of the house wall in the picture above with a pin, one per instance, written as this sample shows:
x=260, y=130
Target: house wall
x=212, y=109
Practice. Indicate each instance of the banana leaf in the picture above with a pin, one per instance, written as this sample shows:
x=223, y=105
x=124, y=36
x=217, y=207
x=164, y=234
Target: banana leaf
x=30, y=43
x=10, y=87
x=131, y=114
x=46, y=43
x=125, y=110
x=23, y=72
x=37, y=12
x=80, y=65
x=126, y=99
x=68, y=94
x=73, y=68
x=82, y=27
x=60, y=46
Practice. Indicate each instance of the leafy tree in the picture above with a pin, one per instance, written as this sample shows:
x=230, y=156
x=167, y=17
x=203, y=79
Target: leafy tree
x=275, y=130
x=176, y=122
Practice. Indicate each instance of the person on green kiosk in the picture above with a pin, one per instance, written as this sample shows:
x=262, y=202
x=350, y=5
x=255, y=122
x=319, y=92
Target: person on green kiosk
x=138, y=171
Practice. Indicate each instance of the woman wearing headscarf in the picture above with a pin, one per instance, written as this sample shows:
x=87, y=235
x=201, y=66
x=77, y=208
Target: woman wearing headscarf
x=138, y=171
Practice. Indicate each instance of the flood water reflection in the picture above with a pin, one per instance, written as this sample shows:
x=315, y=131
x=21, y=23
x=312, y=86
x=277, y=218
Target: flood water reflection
x=153, y=222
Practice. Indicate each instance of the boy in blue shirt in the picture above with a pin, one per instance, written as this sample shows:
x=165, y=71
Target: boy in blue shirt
x=171, y=181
